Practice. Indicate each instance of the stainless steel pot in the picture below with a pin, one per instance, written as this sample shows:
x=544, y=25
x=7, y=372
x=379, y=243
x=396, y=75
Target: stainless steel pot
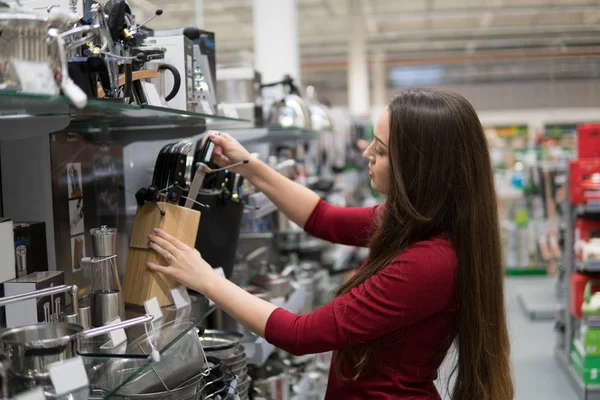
x=290, y=111
x=271, y=382
x=277, y=285
x=32, y=348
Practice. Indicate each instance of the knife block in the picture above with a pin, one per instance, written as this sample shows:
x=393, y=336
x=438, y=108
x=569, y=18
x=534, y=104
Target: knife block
x=140, y=283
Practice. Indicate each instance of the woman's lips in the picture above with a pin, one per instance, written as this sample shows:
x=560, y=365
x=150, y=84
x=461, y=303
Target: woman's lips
x=371, y=174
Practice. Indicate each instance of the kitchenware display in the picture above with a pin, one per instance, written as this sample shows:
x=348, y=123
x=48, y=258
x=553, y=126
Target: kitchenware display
x=32, y=348
x=292, y=110
x=179, y=364
x=320, y=118
x=42, y=289
x=34, y=44
x=271, y=381
x=278, y=285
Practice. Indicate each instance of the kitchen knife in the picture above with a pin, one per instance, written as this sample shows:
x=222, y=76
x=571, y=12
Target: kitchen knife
x=196, y=185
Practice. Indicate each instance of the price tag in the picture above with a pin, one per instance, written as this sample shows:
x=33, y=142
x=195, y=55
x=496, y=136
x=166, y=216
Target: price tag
x=33, y=394
x=118, y=336
x=220, y=271
x=68, y=376
x=153, y=308
x=181, y=298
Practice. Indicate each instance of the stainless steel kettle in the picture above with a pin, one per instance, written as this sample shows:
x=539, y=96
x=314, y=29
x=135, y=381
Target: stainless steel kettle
x=291, y=110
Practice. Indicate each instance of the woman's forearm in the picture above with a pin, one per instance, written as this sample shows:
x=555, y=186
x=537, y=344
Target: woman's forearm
x=294, y=200
x=244, y=307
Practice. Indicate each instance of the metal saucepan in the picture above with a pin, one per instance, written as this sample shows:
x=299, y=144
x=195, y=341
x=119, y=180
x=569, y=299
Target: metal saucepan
x=32, y=348
x=271, y=381
x=278, y=285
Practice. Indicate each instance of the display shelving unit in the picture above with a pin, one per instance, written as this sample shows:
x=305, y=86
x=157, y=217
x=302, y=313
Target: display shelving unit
x=27, y=116
x=565, y=344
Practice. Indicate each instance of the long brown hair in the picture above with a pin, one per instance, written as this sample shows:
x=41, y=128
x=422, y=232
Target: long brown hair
x=441, y=182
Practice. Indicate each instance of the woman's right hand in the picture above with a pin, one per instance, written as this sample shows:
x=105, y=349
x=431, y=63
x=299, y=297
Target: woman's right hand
x=228, y=151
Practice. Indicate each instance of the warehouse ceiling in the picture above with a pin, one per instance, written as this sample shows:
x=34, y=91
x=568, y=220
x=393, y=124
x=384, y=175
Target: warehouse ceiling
x=475, y=39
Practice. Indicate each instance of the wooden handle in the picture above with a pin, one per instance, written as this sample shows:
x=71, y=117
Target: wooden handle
x=136, y=75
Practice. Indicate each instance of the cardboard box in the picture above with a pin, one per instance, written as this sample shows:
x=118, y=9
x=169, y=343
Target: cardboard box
x=33, y=311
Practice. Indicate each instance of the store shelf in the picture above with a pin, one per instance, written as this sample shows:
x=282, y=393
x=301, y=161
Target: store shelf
x=25, y=115
x=584, y=392
x=260, y=350
x=273, y=135
x=589, y=208
x=134, y=354
x=588, y=266
x=179, y=323
x=259, y=205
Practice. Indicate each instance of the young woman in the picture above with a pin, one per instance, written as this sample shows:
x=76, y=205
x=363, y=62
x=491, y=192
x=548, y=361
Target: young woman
x=433, y=276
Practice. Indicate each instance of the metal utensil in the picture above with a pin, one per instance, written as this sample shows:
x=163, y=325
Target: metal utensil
x=32, y=348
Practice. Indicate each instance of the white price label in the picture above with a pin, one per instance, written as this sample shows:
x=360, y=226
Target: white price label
x=181, y=298
x=33, y=394
x=153, y=308
x=117, y=336
x=68, y=376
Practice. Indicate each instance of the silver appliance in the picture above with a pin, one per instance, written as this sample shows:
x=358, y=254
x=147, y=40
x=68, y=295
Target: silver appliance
x=106, y=292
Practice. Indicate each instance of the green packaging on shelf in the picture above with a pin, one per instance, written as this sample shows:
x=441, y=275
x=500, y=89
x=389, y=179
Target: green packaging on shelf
x=591, y=341
x=586, y=366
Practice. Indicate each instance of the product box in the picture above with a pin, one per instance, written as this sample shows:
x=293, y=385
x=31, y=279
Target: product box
x=7, y=261
x=587, y=367
x=180, y=54
x=31, y=251
x=206, y=41
x=36, y=310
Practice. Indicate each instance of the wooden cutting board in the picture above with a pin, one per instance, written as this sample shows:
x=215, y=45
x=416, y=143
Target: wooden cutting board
x=140, y=283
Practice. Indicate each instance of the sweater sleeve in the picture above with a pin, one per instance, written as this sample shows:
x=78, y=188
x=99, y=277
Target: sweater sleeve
x=413, y=286
x=351, y=226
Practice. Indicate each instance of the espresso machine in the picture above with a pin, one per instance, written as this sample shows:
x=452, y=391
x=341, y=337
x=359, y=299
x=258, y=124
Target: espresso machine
x=106, y=294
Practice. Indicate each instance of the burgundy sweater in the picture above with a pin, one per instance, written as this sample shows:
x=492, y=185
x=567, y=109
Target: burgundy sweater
x=407, y=308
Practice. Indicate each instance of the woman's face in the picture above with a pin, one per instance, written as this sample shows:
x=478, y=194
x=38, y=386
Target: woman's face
x=378, y=154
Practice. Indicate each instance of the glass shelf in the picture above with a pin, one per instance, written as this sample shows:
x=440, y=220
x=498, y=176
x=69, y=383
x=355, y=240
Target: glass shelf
x=110, y=369
x=21, y=112
x=273, y=134
x=184, y=318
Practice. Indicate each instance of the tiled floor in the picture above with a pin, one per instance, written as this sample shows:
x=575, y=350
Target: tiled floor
x=536, y=373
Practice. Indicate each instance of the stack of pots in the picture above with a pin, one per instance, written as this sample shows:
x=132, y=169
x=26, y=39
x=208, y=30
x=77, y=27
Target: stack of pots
x=225, y=346
x=271, y=381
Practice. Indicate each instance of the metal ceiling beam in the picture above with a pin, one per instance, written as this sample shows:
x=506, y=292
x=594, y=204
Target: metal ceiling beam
x=468, y=43
x=470, y=12
x=424, y=13
x=459, y=58
x=420, y=35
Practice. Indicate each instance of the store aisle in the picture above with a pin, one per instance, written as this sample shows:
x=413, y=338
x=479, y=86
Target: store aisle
x=536, y=373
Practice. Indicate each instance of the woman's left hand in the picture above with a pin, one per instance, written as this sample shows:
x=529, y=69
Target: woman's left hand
x=185, y=264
